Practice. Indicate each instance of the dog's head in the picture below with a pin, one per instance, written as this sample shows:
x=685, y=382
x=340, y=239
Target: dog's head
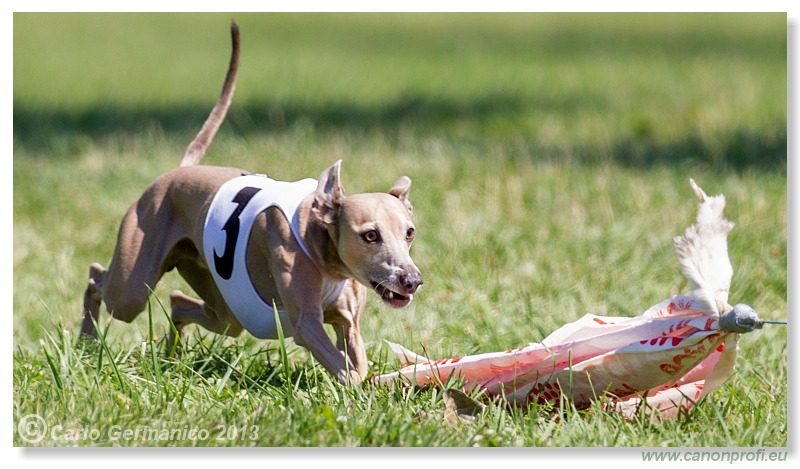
x=372, y=234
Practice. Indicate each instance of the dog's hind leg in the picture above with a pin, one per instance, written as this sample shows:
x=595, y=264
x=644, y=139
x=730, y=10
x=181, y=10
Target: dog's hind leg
x=209, y=313
x=145, y=237
x=187, y=310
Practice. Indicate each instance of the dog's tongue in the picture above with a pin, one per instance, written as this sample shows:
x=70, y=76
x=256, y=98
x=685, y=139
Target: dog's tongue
x=393, y=299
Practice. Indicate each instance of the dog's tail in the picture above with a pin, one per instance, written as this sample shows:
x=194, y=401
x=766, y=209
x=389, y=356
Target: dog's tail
x=198, y=147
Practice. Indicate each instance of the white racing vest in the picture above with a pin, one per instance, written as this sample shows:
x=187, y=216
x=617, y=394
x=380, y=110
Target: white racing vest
x=226, y=233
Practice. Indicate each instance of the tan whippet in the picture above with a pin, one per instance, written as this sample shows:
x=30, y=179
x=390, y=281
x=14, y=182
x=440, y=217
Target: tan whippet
x=246, y=243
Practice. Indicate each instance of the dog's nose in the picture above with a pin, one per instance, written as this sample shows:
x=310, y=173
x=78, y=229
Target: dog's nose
x=411, y=280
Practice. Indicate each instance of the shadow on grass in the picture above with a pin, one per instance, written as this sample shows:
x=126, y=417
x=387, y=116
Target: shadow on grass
x=742, y=149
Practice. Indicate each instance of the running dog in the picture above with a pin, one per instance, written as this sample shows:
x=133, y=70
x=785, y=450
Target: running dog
x=261, y=253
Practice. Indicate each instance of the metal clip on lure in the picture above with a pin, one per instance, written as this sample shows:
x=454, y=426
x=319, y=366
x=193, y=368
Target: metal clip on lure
x=742, y=318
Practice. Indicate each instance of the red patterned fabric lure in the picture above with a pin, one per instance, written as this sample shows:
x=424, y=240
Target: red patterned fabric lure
x=661, y=362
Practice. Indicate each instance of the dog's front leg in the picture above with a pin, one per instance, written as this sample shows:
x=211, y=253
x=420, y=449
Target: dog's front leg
x=349, y=341
x=345, y=316
x=310, y=333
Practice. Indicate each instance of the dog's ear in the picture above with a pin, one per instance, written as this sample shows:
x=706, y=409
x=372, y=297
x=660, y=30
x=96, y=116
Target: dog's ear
x=400, y=190
x=329, y=194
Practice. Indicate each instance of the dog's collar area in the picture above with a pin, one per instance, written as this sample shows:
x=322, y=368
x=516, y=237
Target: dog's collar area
x=334, y=266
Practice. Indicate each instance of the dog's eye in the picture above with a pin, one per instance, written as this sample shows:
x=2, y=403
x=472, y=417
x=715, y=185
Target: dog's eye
x=371, y=236
x=410, y=234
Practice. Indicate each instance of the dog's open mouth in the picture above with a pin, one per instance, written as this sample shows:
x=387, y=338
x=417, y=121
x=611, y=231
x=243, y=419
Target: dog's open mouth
x=390, y=297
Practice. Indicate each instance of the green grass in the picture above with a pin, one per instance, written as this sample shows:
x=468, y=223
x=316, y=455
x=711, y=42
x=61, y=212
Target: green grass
x=550, y=158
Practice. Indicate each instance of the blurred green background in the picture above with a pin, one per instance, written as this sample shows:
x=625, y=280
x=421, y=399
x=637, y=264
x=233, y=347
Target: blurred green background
x=634, y=88
x=550, y=156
